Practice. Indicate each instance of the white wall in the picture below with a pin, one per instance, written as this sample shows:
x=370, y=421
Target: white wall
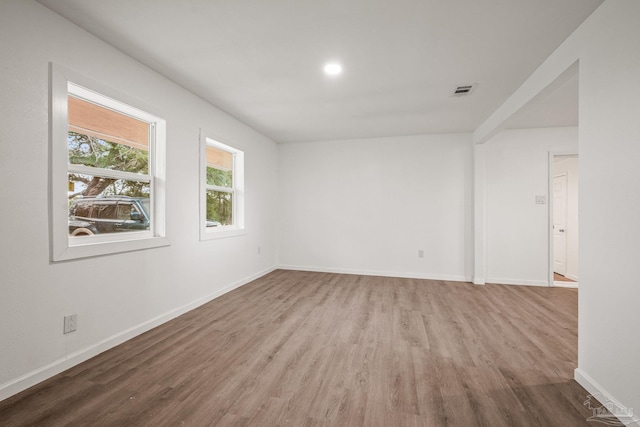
x=609, y=347
x=606, y=45
x=569, y=166
x=120, y=295
x=369, y=205
x=517, y=229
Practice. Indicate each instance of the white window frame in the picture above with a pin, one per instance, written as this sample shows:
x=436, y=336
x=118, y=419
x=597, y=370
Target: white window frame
x=62, y=83
x=237, y=228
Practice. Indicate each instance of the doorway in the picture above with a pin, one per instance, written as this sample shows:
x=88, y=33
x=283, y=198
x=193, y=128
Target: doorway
x=563, y=220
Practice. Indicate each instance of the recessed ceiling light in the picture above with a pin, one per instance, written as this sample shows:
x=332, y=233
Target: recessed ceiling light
x=333, y=69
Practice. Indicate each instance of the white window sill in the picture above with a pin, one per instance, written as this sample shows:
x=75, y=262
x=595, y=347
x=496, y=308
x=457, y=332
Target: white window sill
x=221, y=233
x=93, y=248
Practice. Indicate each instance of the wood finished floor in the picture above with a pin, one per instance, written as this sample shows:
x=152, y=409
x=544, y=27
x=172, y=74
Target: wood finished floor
x=319, y=349
x=560, y=278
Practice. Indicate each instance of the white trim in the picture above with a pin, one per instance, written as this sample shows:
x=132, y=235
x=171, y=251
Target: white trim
x=561, y=284
x=94, y=249
x=36, y=376
x=108, y=173
x=62, y=83
x=550, y=175
x=414, y=275
x=518, y=282
x=222, y=233
x=404, y=275
x=593, y=388
x=550, y=217
x=219, y=189
x=58, y=159
x=480, y=240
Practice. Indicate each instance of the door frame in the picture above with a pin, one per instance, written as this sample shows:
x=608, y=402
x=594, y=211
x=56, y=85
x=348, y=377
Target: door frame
x=552, y=197
x=553, y=154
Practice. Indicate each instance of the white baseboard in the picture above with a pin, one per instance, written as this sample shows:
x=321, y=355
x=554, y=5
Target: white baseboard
x=518, y=282
x=452, y=278
x=605, y=397
x=561, y=284
x=36, y=376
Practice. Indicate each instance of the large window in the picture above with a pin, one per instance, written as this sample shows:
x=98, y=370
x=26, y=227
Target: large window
x=107, y=174
x=222, y=190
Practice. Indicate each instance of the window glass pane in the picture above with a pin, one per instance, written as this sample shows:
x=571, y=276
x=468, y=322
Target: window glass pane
x=219, y=167
x=103, y=123
x=106, y=210
x=96, y=205
x=146, y=206
x=100, y=137
x=219, y=208
x=81, y=210
x=104, y=215
x=96, y=186
x=124, y=211
x=219, y=177
x=90, y=151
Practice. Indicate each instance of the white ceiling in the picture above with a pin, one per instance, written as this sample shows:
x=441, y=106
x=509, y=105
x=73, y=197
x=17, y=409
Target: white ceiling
x=261, y=61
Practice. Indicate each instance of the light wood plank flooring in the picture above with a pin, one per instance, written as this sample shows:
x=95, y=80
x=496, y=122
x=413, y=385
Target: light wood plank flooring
x=560, y=278
x=318, y=349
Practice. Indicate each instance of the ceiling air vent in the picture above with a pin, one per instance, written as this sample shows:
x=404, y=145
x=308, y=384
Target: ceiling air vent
x=463, y=90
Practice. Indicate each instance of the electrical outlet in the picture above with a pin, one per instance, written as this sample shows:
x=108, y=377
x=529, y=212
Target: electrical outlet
x=70, y=323
x=259, y=250
x=420, y=253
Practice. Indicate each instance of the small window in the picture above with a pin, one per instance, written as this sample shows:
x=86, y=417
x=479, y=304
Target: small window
x=222, y=190
x=105, y=151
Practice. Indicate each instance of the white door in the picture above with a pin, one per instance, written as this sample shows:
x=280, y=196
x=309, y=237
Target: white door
x=560, y=224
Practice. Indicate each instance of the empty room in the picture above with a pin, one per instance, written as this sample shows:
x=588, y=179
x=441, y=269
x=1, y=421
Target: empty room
x=336, y=213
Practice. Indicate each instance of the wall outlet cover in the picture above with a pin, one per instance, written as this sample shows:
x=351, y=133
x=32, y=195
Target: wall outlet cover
x=70, y=323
